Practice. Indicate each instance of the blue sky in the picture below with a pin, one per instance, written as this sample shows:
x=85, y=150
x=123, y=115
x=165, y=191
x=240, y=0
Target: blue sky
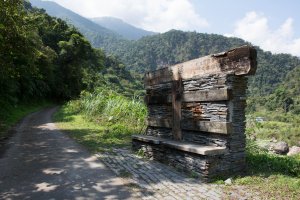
x=222, y=15
x=272, y=25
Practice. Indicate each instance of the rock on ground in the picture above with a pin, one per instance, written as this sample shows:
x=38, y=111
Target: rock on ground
x=294, y=150
x=281, y=147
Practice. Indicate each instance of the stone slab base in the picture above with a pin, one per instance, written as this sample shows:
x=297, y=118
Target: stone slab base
x=206, y=167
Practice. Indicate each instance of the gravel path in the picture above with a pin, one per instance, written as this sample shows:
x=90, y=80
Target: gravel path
x=42, y=163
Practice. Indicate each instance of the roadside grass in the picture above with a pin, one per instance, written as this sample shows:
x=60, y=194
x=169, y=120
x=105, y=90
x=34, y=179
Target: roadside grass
x=10, y=115
x=277, y=125
x=273, y=176
x=102, y=120
x=91, y=134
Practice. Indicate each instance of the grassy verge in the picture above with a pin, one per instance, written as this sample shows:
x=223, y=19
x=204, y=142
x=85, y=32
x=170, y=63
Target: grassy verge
x=102, y=120
x=10, y=115
x=277, y=125
x=93, y=135
x=274, y=176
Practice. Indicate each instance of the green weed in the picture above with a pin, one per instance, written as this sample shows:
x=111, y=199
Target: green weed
x=102, y=120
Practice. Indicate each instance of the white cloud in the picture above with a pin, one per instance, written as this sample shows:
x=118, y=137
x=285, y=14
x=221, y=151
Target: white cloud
x=254, y=27
x=155, y=15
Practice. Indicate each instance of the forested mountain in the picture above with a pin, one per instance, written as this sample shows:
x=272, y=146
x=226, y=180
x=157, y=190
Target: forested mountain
x=96, y=34
x=152, y=52
x=119, y=26
x=287, y=94
x=42, y=57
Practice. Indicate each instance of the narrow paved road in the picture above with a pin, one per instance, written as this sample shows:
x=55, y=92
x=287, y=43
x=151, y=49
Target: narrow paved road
x=42, y=163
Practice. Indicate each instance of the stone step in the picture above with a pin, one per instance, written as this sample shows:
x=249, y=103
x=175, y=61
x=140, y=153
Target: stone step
x=183, y=146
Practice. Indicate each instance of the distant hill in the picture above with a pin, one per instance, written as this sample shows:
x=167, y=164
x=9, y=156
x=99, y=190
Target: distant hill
x=98, y=35
x=119, y=26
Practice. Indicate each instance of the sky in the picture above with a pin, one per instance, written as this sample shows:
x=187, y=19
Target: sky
x=274, y=25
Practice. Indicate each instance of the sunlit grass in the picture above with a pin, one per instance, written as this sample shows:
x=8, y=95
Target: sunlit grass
x=102, y=120
x=277, y=125
x=273, y=176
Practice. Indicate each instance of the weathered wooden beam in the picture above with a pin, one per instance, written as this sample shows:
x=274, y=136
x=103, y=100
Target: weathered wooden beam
x=195, y=96
x=205, y=126
x=195, y=148
x=183, y=146
x=158, y=99
x=159, y=122
x=239, y=61
x=206, y=95
x=176, y=108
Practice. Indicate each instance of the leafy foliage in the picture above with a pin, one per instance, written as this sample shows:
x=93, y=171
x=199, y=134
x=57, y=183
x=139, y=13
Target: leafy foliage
x=42, y=57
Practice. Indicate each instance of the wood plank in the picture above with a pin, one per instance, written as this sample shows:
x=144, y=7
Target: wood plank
x=159, y=122
x=181, y=145
x=176, y=109
x=195, y=148
x=207, y=126
x=194, y=125
x=206, y=95
x=195, y=96
x=239, y=61
x=145, y=138
x=158, y=99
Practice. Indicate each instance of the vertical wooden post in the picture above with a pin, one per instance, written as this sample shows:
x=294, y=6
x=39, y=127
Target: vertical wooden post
x=176, y=108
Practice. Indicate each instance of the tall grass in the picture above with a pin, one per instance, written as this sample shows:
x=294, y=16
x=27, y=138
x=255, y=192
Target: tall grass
x=103, y=119
x=107, y=106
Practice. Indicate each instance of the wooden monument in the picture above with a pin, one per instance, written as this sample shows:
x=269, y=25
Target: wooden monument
x=196, y=113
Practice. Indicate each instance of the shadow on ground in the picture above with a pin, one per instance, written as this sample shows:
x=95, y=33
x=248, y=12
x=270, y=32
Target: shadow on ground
x=43, y=163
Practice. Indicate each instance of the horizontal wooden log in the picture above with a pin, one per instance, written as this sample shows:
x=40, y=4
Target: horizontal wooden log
x=205, y=126
x=195, y=96
x=239, y=61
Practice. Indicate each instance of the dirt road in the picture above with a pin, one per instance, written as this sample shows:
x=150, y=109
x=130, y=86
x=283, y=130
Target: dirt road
x=42, y=163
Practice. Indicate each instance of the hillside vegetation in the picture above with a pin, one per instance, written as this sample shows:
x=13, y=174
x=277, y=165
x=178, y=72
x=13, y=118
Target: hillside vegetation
x=44, y=58
x=152, y=52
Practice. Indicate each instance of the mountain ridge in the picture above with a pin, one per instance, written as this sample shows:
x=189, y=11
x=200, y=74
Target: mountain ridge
x=121, y=27
x=77, y=20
